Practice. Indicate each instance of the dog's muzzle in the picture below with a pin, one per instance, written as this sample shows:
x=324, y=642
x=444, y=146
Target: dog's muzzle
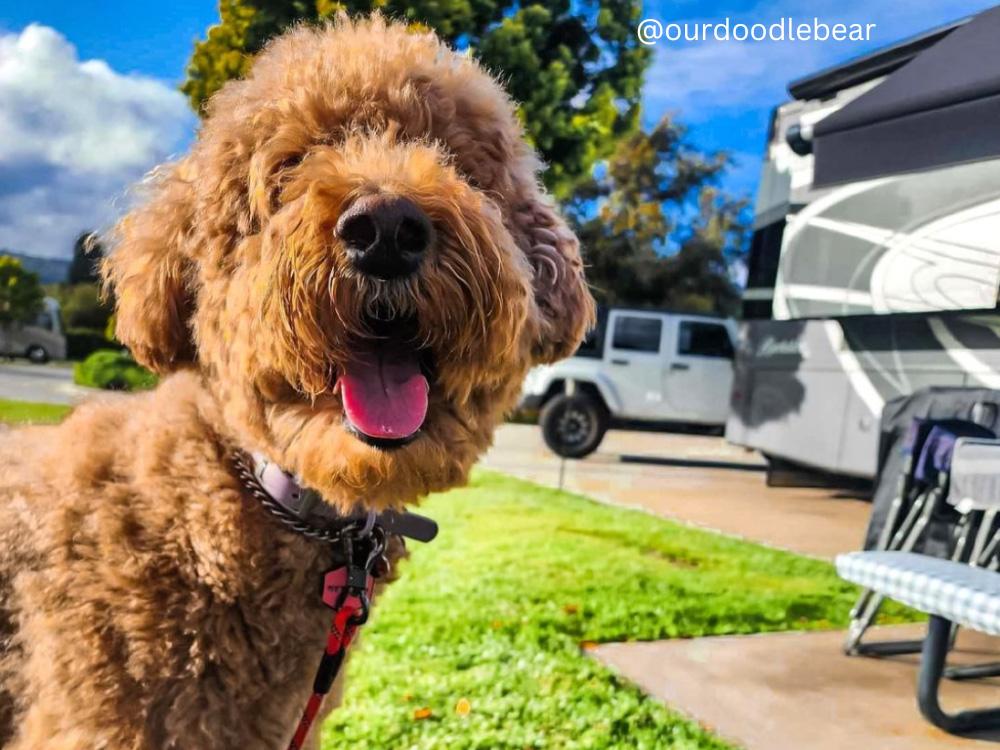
x=385, y=235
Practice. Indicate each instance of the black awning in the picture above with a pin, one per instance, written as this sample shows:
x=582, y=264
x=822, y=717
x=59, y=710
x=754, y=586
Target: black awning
x=942, y=107
x=875, y=64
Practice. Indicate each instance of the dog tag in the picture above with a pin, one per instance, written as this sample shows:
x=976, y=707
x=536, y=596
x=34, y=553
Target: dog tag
x=338, y=579
x=410, y=525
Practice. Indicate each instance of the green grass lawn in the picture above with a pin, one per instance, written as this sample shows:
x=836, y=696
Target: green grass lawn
x=27, y=412
x=495, y=612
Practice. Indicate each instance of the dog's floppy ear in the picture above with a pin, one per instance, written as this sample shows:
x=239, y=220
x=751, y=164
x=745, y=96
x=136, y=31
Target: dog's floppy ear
x=564, y=302
x=148, y=273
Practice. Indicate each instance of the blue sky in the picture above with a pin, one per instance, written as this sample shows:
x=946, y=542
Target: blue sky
x=88, y=99
x=153, y=39
x=725, y=91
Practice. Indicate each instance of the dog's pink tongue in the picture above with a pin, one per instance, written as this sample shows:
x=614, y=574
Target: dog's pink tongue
x=385, y=394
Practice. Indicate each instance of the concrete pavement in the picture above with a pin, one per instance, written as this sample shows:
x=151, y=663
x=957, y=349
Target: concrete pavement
x=693, y=478
x=797, y=691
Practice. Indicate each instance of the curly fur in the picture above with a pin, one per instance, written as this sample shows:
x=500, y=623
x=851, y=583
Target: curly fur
x=145, y=600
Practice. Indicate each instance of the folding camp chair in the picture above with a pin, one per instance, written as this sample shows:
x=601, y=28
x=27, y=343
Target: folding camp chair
x=974, y=492
x=923, y=483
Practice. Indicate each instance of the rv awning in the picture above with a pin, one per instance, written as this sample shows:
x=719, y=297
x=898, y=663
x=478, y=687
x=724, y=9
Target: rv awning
x=942, y=107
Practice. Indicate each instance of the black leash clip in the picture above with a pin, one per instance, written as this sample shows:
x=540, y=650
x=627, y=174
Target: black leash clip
x=353, y=578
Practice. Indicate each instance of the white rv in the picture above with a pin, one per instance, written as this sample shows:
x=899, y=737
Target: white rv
x=875, y=260
x=39, y=340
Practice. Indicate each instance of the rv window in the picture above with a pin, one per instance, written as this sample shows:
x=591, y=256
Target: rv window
x=637, y=334
x=762, y=271
x=44, y=320
x=704, y=340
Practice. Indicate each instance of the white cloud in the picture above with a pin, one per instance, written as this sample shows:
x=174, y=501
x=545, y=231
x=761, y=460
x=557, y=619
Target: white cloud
x=73, y=135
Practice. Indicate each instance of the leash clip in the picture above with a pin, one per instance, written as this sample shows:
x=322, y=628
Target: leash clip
x=354, y=580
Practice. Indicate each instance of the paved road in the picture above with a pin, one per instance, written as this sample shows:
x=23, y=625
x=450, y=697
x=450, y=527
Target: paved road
x=51, y=383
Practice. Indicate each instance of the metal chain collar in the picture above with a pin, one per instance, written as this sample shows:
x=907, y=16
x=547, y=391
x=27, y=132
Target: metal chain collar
x=329, y=534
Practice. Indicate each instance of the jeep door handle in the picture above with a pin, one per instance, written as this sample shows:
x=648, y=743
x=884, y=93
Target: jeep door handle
x=619, y=361
x=680, y=366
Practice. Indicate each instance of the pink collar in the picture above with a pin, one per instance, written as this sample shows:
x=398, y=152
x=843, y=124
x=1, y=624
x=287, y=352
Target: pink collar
x=304, y=510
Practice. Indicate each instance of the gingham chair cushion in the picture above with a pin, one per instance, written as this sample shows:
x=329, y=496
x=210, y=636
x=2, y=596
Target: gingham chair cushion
x=961, y=593
x=975, y=475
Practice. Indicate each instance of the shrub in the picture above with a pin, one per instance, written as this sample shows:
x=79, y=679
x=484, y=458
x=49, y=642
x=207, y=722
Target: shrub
x=114, y=370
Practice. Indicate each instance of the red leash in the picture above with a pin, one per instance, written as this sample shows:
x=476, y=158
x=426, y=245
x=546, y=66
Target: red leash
x=342, y=631
x=348, y=591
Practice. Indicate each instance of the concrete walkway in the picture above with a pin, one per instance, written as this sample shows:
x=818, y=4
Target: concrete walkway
x=698, y=479
x=797, y=691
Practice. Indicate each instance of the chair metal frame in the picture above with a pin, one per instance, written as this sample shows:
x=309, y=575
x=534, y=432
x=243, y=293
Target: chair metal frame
x=894, y=536
x=924, y=501
x=935, y=647
x=980, y=515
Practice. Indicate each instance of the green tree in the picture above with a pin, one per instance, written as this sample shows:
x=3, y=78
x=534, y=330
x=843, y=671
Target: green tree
x=575, y=67
x=83, y=306
x=20, y=292
x=87, y=252
x=654, y=228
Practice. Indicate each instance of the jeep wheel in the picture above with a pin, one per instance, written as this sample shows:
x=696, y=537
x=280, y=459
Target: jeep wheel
x=37, y=355
x=573, y=426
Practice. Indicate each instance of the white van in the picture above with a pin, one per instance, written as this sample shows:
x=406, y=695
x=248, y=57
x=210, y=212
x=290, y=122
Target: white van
x=40, y=340
x=648, y=366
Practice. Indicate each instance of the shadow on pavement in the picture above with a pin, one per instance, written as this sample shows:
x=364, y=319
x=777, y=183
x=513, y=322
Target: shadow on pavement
x=690, y=463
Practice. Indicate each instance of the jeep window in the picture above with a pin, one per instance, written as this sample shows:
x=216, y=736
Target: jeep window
x=593, y=344
x=704, y=340
x=637, y=334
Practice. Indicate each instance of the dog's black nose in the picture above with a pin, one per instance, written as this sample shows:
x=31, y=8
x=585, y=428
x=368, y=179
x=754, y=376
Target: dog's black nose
x=385, y=235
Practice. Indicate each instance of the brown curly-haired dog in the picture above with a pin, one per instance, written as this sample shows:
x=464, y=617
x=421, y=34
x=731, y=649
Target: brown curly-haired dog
x=350, y=274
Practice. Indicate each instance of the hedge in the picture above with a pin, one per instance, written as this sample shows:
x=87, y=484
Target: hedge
x=114, y=370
